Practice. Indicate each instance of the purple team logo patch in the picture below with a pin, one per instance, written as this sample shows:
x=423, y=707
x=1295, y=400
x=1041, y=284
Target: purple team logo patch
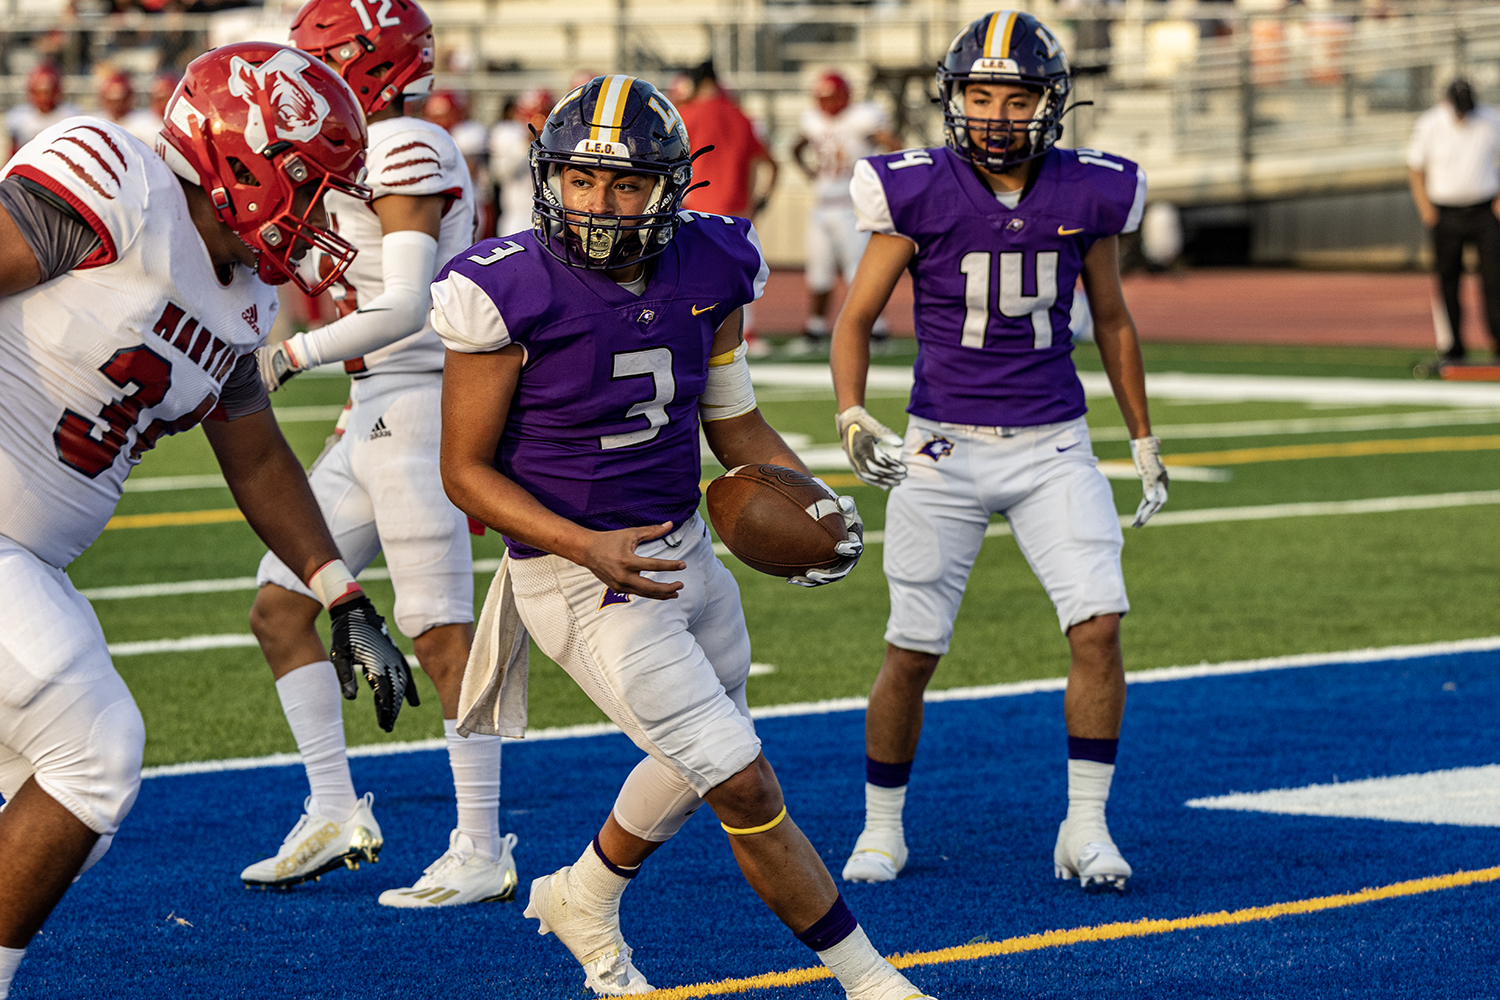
x=1014, y=225
x=612, y=597
x=938, y=447
x=646, y=316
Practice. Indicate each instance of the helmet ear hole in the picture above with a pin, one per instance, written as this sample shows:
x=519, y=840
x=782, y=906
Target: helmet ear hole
x=241, y=172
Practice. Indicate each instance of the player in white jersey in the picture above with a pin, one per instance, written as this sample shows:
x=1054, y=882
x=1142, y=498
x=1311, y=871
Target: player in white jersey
x=133, y=303
x=839, y=134
x=379, y=486
x=510, y=158
x=116, y=97
x=44, y=106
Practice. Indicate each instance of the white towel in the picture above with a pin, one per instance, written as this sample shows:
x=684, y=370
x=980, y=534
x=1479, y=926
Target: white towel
x=492, y=700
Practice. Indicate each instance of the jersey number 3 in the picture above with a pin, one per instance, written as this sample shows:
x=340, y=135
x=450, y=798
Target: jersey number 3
x=655, y=363
x=977, y=269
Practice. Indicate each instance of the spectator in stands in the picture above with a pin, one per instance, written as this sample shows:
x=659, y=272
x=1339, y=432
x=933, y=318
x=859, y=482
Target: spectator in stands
x=1454, y=170
x=734, y=167
x=44, y=106
x=510, y=157
x=838, y=133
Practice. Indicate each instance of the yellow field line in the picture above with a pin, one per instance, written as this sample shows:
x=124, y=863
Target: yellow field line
x=174, y=519
x=1103, y=932
x=1343, y=449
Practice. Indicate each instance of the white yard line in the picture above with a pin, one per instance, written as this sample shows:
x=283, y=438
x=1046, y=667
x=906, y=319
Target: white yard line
x=1209, y=515
x=1184, y=385
x=1157, y=675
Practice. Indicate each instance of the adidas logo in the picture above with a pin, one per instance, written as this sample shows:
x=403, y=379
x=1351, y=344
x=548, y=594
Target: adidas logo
x=251, y=317
x=380, y=430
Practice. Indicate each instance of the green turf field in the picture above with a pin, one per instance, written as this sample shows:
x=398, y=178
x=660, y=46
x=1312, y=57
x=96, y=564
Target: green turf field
x=1205, y=592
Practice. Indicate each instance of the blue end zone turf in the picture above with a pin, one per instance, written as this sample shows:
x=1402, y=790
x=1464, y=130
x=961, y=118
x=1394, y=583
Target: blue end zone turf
x=165, y=914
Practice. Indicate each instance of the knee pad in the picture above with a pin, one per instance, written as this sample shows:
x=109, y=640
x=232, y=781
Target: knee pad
x=655, y=802
x=96, y=774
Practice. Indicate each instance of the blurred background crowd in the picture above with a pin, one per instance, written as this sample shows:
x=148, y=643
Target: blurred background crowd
x=1273, y=132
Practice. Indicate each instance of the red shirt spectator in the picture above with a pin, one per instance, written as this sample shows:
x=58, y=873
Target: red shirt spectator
x=714, y=119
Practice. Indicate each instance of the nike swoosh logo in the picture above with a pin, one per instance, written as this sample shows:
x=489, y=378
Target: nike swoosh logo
x=1068, y=232
x=382, y=309
x=1070, y=447
x=699, y=312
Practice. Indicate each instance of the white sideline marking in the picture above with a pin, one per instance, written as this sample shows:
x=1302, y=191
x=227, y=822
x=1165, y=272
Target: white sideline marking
x=1155, y=675
x=1184, y=385
x=1209, y=515
x=190, y=644
x=1462, y=796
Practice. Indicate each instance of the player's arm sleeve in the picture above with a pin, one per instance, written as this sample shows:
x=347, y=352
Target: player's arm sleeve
x=762, y=270
x=97, y=170
x=408, y=260
x=872, y=212
x=59, y=237
x=1416, y=149
x=466, y=319
x=244, y=392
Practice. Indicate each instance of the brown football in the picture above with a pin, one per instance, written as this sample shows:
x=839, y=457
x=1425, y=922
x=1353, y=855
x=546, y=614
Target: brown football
x=775, y=519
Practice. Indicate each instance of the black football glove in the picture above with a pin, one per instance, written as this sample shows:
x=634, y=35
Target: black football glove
x=360, y=639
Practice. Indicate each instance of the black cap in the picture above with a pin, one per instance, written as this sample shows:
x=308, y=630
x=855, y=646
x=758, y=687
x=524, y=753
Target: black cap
x=1461, y=96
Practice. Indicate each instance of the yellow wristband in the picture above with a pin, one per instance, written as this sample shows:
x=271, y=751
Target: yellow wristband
x=732, y=831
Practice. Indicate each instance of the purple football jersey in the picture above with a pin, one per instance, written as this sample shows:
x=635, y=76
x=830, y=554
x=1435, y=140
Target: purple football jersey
x=994, y=285
x=603, y=428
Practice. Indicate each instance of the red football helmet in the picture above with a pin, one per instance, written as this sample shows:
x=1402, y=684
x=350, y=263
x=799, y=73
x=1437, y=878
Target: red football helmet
x=266, y=131
x=831, y=92
x=116, y=95
x=446, y=108
x=44, y=87
x=383, y=48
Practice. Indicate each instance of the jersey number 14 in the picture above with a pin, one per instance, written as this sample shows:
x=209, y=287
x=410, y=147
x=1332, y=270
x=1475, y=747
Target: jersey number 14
x=978, y=270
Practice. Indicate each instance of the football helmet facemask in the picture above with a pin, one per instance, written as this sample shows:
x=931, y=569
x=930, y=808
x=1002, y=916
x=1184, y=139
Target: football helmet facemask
x=382, y=48
x=616, y=123
x=266, y=131
x=1008, y=47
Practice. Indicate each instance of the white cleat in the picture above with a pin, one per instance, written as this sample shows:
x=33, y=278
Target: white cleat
x=319, y=844
x=896, y=987
x=460, y=876
x=1087, y=853
x=879, y=856
x=594, y=939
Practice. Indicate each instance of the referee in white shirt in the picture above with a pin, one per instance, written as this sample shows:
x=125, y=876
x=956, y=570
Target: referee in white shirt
x=1454, y=172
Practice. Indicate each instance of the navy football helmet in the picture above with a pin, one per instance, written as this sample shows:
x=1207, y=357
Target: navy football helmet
x=618, y=123
x=1012, y=47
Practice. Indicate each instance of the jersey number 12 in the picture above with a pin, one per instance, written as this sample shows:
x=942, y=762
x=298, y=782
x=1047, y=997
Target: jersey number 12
x=978, y=268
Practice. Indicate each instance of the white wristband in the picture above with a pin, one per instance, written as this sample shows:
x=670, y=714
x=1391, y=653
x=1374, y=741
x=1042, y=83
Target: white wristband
x=333, y=583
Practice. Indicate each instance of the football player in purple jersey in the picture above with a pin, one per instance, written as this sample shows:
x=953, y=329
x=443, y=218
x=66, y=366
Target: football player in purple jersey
x=996, y=229
x=582, y=357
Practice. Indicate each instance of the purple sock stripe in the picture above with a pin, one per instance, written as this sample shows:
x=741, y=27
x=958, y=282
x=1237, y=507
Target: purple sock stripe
x=831, y=928
x=887, y=775
x=1103, y=751
x=622, y=872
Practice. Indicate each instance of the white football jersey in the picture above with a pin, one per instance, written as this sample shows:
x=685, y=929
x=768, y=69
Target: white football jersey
x=415, y=157
x=24, y=122
x=838, y=143
x=133, y=343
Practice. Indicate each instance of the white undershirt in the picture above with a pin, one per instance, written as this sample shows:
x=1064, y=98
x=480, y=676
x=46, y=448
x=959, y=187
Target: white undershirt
x=1010, y=199
x=636, y=287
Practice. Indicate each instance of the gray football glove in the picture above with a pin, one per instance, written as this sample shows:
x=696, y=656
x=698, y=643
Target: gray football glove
x=277, y=365
x=874, y=450
x=360, y=640
x=850, y=548
x=1146, y=452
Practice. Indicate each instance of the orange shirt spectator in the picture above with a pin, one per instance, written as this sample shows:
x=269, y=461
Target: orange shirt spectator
x=714, y=119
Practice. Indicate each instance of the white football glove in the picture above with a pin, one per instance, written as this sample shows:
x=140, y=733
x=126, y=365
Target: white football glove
x=277, y=365
x=1146, y=453
x=874, y=450
x=850, y=548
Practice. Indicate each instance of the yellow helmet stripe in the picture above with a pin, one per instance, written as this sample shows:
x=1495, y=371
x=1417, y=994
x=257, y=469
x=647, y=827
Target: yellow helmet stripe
x=610, y=110
x=1006, y=21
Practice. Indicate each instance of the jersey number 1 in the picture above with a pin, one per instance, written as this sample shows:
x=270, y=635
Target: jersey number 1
x=977, y=268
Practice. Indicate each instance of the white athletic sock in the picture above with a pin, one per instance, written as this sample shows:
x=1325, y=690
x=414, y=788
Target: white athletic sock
x=597, y=886
x=862, y=973
x=315, y=711
x=475, y=761
x=10, y=958
x=1088, y=790
x=883, y=807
